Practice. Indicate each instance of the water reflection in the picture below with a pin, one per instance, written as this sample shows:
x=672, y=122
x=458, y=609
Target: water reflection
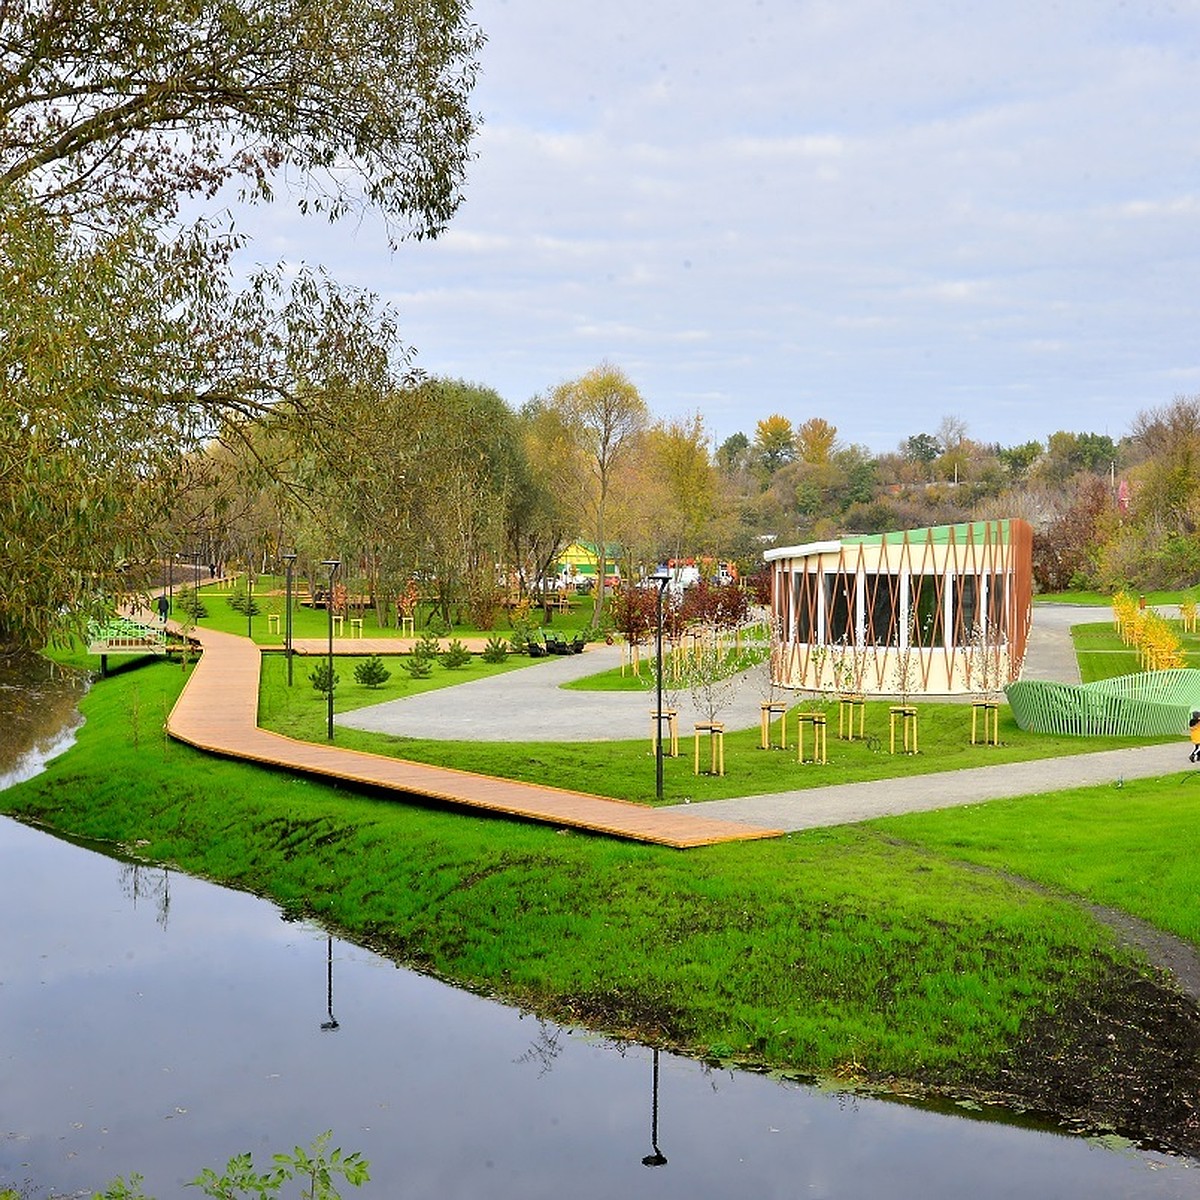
x=657, y=1158
x=38, y=715
x=135, y=1044
x=331, y=1024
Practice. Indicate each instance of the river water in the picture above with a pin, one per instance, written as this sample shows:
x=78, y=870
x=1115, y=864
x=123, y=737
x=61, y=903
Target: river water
x=158, y=1024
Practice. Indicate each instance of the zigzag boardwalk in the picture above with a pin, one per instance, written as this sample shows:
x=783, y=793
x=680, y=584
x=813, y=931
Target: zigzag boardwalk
x=218, y=712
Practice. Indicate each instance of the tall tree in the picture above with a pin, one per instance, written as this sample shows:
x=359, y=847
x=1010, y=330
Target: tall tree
x=816, y=440
x=122, y=108
x=605, y=415
x=122, y=347
x=774, y=443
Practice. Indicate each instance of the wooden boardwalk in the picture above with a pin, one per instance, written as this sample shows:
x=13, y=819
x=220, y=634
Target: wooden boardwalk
x=218, y=712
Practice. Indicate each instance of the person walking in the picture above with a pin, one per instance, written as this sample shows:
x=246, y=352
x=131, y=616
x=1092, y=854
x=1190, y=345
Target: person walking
x=1194, y=731
x=164, y=607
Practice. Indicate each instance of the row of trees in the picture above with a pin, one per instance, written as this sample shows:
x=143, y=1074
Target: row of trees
x=151, y=406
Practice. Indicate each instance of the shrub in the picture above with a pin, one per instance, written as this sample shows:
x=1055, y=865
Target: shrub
x=371, y=672
x=456, y=655
x=496, y=650
x=427, y=646
x=244, y=602
x=324, y=678
x=417, y=667
x=190, y=601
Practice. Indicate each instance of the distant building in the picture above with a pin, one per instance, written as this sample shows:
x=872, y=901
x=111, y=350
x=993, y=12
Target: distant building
x=578, y=562
x=935, y=611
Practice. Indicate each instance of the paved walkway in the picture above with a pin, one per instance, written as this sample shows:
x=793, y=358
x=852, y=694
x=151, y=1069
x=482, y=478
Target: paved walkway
x=530, y=705
x=217, y=712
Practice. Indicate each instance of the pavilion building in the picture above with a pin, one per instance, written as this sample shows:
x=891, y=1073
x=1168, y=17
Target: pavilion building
x=939, y=611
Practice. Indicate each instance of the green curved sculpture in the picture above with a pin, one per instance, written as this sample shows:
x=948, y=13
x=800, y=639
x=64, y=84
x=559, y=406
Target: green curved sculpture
x=1152, y=704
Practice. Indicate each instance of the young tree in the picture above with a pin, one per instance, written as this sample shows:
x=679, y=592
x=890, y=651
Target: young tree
x=774, y=443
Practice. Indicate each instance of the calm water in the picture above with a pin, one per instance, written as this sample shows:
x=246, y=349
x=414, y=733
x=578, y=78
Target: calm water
x=158, y=1024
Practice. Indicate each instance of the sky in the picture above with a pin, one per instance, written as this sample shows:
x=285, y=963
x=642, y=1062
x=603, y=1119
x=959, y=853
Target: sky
x=878, y=213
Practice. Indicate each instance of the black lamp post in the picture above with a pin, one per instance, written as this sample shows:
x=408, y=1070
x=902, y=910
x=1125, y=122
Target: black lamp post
x=662, y=577
x=289, y=562
x=332, y=564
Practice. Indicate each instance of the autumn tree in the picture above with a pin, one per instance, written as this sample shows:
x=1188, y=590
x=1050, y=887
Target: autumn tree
x=605, y=415
x=816, y=440
x=774, y=444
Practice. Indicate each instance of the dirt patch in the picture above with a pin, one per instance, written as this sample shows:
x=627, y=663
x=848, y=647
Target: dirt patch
x=1124, y=1055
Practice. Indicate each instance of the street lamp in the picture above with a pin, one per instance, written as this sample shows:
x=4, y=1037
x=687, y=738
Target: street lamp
x=332, y=564
x=289, y=561
x=249, y=600
x=662, y=577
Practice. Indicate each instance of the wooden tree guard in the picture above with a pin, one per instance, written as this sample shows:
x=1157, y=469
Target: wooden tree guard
x=818, y=722
x=716, y=742
x=907, y=715
x=771, y=709
x=991, y=721
x=850, y=703
x=671, y=716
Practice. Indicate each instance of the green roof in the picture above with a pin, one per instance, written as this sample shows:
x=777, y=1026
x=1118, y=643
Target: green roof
x=938, y=535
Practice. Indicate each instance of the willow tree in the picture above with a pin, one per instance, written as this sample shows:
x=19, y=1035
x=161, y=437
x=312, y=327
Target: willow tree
x=122, y=346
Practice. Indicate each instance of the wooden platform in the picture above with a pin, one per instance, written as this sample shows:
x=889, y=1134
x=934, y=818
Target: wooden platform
x=218, y=712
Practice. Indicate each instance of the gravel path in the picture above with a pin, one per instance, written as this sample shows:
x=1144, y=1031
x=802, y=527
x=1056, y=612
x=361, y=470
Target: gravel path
x=530, y=705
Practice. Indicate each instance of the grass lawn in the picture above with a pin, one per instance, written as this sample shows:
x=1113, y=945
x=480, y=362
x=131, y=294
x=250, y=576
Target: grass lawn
x=624, y=769
x=908, y=947
x=1103, y=655
x=1104, y=599
x=271, y=599
x=836, y=951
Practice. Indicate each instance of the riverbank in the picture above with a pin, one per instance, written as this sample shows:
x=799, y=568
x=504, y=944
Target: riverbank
x=861, y=953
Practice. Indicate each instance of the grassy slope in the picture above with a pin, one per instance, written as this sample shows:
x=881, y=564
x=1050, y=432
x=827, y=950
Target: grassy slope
x=818, y=952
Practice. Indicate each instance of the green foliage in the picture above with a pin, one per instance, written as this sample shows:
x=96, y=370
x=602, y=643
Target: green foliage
x=455, y=655
x=417, y=666
x=427, y=646
x=496, y=650
x=371, y=672
x=324, y=678
x=242, y=599
x=317, y=1169
x=192, y=603
x=438, y=626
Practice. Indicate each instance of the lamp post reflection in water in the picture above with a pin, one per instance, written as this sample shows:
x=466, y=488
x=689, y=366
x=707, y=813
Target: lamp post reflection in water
x=331, y=1024
x=658, y=1158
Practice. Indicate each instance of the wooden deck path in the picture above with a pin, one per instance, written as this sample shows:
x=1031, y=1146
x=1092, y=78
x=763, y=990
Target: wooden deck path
x=218, y=712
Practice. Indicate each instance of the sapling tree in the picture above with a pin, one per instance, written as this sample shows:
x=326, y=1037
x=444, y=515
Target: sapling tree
x=371, y=672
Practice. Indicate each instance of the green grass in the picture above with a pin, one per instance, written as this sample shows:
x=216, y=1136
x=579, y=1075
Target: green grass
x=1103, y=655
x=819, y=952
x=270, y=596
x=625, y=769
x=1136, y=846
x=1104, y=599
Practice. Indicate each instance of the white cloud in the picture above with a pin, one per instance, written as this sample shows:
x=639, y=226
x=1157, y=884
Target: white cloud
x=876, y=212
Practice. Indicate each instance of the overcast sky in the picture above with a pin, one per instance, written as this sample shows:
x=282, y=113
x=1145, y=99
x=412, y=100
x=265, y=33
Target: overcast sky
x=874, y=212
